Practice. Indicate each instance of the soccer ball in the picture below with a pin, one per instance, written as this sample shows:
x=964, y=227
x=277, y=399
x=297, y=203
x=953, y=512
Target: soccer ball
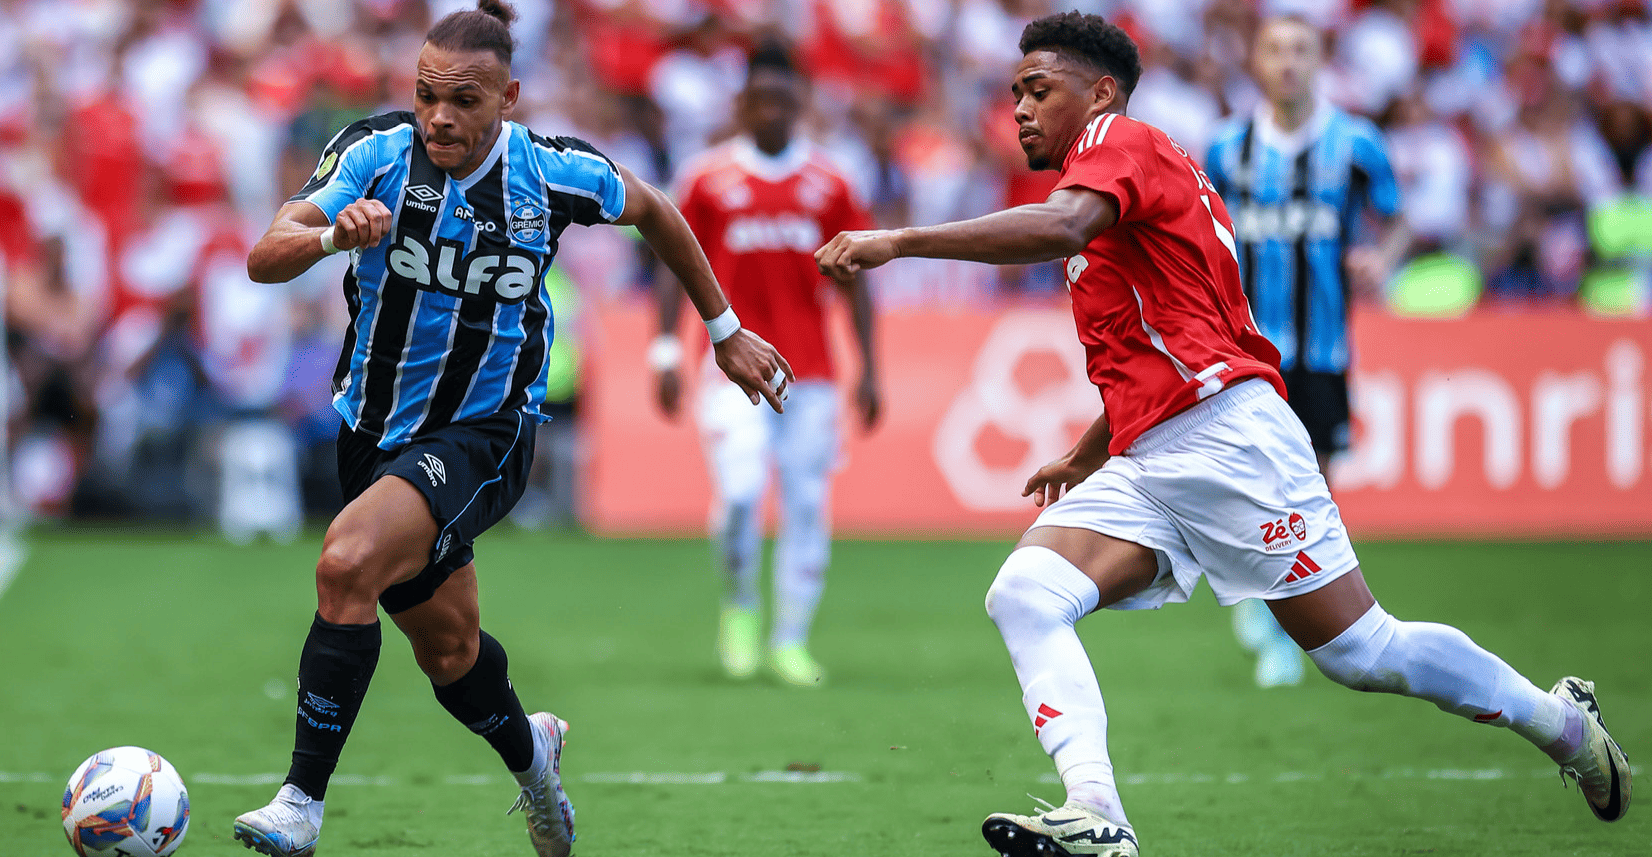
x=125, y=802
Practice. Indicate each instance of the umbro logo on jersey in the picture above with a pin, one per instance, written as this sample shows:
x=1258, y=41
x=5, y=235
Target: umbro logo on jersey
x=423, y=197
x=434, y=470
x=445, y=545
x=1303, y=568
x=1045, y=715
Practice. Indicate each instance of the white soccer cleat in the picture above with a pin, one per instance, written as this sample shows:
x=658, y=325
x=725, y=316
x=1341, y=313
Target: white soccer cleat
x=1065, y=831
x=550, y=815
x=288, y=827
x=1599, y=766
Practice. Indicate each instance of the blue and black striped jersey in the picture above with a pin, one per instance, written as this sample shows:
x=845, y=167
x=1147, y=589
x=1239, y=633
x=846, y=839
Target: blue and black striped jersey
x=1295, y=213
x=449, y=317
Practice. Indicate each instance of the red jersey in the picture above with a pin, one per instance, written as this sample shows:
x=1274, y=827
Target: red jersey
x=1157, y=298
x=760, y=219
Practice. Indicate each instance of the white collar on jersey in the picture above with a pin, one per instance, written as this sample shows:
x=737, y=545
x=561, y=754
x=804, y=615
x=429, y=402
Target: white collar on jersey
x=771, y=167
x=1291, y=143
x=498, y=151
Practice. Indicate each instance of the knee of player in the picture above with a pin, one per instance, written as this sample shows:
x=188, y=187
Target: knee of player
x=1024, y=589
x=345, y=566
x=1360, y=657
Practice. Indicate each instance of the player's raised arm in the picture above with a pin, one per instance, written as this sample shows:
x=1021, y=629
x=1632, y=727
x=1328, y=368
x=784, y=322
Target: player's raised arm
x=743, y=356
x=300, y=236
x=1053, y=229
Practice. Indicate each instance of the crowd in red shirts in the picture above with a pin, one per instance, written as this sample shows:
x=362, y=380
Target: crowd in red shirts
x=144, y=143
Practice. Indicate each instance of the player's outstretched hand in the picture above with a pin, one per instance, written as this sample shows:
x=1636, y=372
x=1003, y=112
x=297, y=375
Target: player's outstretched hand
x=1057, y=478
x=362, y=223
x=852, y=252
x=756, y=366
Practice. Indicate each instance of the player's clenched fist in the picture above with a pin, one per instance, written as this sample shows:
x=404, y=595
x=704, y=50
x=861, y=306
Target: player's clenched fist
x=852, y=252
x=362, y=223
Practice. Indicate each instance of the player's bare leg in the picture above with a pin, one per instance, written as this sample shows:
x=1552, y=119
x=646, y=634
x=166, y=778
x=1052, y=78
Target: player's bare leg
x=1054, y=577
x=379, y=539
x=1357, y=644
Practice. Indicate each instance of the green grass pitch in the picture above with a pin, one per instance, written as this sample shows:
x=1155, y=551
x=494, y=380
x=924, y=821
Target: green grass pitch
x=187, y=645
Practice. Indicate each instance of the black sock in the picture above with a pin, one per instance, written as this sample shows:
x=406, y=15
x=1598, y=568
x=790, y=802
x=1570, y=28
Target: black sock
x=333, y=673
x=486, y=703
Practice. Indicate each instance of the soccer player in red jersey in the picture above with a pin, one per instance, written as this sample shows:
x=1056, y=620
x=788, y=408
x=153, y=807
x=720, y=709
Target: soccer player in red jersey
x=760, y=205
x=1197, y=466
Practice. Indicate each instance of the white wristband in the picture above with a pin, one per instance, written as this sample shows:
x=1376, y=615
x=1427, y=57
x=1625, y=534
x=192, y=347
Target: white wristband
x=723, y=326
x=327, y=245
x=665, y=353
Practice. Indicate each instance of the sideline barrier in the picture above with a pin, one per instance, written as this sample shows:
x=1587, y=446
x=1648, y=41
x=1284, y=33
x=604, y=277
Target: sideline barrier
x=1504, y=423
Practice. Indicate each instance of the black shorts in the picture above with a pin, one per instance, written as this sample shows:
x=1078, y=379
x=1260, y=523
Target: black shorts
x=471, y=473
x=1320, y=400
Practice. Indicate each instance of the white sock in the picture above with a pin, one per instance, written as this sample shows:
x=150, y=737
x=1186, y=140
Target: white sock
x=1035, y=601
x=801, y=552
x=736, y=538
x=1441, y=664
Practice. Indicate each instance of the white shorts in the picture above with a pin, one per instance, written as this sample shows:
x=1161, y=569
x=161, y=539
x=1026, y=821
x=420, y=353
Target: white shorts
x=742, y=441
x=1228, y=489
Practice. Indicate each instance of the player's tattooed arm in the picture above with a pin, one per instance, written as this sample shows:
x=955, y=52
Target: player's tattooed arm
x=1056, y=228
x=744, y=357
x=298, y=237
x=1086, y=457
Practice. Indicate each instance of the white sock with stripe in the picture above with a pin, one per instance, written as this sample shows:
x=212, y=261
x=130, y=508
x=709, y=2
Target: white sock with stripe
x=1439, y=663
x=1035, y=602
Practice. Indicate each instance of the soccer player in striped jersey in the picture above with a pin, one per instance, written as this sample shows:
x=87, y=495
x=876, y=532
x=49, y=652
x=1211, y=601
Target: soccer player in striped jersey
x=1196, y=462
x=760, y=205
x=451, y=215
x=1300, y=175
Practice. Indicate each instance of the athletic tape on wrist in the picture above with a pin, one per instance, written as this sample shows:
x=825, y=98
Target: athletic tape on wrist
x=665, y=353
x=327, y=245
x=723, y=326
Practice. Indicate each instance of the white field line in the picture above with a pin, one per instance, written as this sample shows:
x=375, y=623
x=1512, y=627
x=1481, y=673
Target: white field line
x=714, y=778
x=13, y=553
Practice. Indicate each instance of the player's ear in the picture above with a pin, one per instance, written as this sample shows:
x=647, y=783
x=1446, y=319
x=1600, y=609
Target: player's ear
x=512, y=90
x=1106, y=90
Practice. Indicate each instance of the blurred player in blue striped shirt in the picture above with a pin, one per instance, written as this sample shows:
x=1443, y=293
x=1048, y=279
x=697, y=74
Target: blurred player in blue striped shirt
x=1299, y=176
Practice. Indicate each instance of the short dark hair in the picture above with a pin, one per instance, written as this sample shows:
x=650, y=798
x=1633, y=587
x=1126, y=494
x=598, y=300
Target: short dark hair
x=773, y=56
x=485, y=28
x=1090, y=40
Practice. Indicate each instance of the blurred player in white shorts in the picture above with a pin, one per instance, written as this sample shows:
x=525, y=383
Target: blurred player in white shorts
x=760, y=205
x=1197, y=466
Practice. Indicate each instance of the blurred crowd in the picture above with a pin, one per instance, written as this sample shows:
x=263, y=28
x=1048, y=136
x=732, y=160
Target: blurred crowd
x=144, y=144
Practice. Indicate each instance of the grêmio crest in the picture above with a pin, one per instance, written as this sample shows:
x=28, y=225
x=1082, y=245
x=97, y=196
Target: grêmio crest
x=508, y=276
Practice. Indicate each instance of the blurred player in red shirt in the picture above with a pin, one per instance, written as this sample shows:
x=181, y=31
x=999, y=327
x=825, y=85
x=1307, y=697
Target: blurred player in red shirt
x=1196, y=467
x=760, y=205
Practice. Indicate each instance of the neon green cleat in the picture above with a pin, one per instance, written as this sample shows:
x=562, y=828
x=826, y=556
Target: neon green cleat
x=737, y=641
x=794, y=664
